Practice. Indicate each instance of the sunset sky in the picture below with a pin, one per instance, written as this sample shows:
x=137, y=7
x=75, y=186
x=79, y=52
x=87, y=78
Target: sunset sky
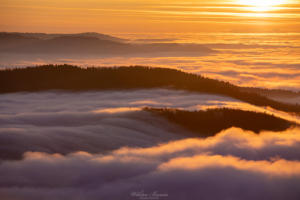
x=129, y=16
x=167, y=99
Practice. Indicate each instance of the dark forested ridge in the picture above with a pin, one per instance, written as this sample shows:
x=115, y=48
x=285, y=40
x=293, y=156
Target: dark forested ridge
x=67, y=77
x=271, y=93
x=212, y=121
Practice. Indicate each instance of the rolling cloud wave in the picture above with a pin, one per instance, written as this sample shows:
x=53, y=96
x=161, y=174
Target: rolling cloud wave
x=100, y=145
x=180, y=169
x=94, y=122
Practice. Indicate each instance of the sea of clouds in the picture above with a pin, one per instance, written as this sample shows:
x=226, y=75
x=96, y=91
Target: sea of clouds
x=234, y=164
x=95, y=121
x=101, y=145
x=257, y=67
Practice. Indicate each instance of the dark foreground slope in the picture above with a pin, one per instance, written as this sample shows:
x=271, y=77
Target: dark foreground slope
x=66, y=77
x=212, y=121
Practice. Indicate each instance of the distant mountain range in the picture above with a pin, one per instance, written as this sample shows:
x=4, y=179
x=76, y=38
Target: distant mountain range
x=84, y=44
x=9, y=40
x=45, y=36
x=73, y=45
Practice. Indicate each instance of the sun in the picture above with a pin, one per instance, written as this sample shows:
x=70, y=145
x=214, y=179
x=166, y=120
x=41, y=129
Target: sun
x=262, y=3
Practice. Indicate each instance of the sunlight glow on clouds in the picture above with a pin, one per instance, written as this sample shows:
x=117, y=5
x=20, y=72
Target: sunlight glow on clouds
x=117, y=110
x=99, y=145
x=251, y=166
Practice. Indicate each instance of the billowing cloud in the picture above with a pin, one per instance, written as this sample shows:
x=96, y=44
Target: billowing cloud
x=234, y=141
x=183, y=169
x=58, y=122
x=91, y=101
x=92, y=132
x=100, y=145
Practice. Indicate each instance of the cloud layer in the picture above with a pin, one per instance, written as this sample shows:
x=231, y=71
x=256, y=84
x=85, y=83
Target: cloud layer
x=183, y=169
x=68, y=132
x=94, y=122
x=100, y=145
x=57, y=122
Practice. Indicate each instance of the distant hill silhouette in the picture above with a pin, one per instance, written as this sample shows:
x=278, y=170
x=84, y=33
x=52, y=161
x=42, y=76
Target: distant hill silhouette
x=67, y=77
x=92, y=45
x=212, y=121
x=45, y=36
x=8, y=40
x=75, y=45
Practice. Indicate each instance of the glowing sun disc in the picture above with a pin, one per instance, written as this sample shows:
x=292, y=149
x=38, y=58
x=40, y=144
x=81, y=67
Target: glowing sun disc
x=261, y=3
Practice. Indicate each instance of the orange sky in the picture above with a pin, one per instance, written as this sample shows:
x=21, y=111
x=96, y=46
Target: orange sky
x=129, y=16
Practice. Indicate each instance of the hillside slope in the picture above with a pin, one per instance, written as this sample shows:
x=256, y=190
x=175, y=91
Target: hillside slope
x=67, y=77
